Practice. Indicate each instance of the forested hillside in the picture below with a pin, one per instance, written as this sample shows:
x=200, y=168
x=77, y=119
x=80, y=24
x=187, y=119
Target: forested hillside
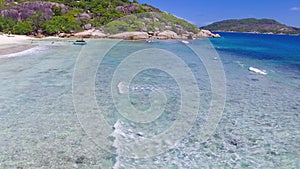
x=56, y=16
x=252, y=25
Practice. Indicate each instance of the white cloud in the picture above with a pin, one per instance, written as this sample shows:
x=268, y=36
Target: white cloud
x=295, y=8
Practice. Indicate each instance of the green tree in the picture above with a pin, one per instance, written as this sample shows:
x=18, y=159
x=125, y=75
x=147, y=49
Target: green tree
x=99, y=10
x=2, y=4
x=125, y=24
x=56, y=11
x=36, y=19
x=23, y=27
x=139, y=9
x=65, y=23
x=6, y=24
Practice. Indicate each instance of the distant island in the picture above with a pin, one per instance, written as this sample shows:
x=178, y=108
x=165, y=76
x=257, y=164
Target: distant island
x=123, y=19
x=252, y=25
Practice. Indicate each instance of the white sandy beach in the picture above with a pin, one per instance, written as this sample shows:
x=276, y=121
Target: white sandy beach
x=5, y=39
x=14, y=44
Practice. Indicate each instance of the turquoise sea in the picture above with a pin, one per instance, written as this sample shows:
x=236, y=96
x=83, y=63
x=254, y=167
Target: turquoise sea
x=66, y=106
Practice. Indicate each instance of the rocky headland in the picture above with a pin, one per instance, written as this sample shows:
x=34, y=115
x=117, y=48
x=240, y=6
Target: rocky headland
x=252, y=25
x=95, y=33
x=122, y=20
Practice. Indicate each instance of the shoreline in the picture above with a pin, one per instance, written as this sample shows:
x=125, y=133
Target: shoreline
x=14, y=44
x=11, y=44
x=138, y=35
x=256, y=33
x=16, y=49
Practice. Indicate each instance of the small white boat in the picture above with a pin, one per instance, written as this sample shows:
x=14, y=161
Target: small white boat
x=256, y=70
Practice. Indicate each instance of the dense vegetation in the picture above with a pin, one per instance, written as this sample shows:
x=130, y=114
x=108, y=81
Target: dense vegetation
x=100, y=12
x=150, y=22
x=252, y=25
x=113, y=16
x=64, y=23
x=6, y=24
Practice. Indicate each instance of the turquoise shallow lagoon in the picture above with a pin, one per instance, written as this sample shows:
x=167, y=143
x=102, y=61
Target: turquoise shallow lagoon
x=259, y=128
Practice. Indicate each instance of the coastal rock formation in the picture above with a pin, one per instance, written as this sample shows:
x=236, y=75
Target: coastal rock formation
x=95, y=33
x=64, y=35
x=159, y=25
x=207, y=34
x=84, y=34
x=167, y=35
x=142, y=24
x=92, y=33
x=98, y=34
x=27, y=9
x=130, y=35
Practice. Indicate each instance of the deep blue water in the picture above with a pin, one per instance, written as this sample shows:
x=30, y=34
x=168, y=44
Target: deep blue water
x=281, y=48
x=279, y=54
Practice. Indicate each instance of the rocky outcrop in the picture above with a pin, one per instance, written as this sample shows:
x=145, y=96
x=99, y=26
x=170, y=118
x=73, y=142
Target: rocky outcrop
x=84, y=34
x=167, y=35
x=159, y=25
x=95, y=33
x=87, y=26
x=85, y=18
x=127, y=9
x=98, y=34
x=92, y=33
x=206, y=34
x=130, y=35
x=27, y=9
x=64, y=35
x=162, y=25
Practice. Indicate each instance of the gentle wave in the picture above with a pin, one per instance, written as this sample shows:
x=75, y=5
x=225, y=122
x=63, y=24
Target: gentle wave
x=24, y=53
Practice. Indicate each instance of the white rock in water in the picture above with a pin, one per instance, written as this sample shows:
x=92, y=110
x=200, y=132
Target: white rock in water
x=186, y=42
x=256, y=70
x=123, y=88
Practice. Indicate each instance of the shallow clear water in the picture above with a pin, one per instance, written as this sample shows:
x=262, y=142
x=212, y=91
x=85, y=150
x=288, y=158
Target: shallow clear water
x=260, y=126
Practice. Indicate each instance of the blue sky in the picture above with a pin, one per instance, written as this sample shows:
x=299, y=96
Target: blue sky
x=203, y=12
